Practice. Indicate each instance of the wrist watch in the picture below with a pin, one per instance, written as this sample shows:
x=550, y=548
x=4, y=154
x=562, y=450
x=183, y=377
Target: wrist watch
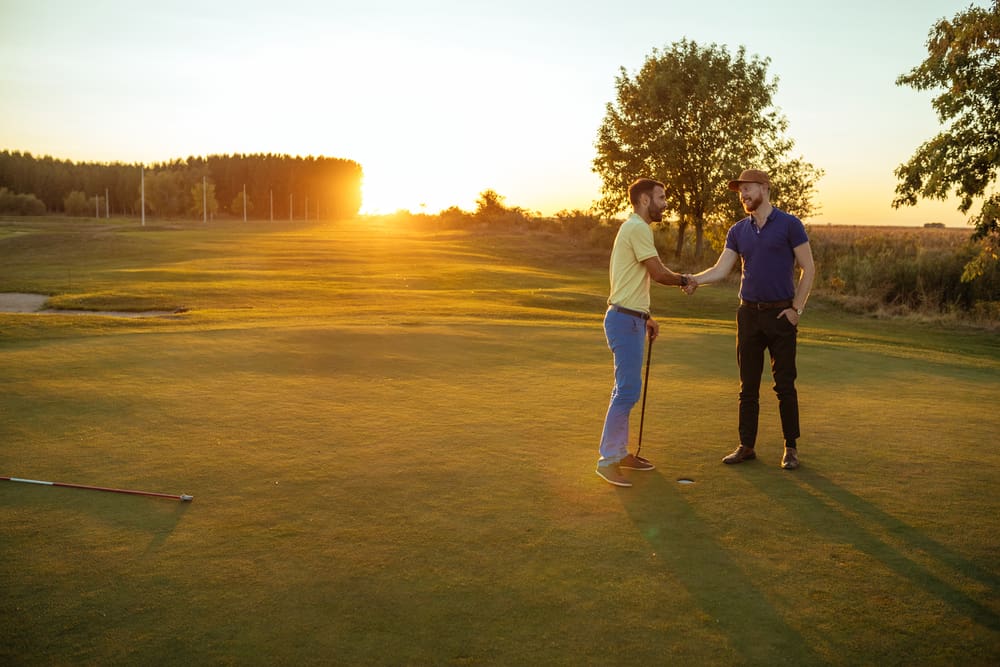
x=798, y=310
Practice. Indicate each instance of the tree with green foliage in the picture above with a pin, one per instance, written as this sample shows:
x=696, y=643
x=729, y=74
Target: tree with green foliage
x=490, y=203
x=77, y=204
x=202, y=197
x=694, y=117
x=165, y=194
x=12, y=203
x=491, y=210
x=236, y=208
x=963, y=61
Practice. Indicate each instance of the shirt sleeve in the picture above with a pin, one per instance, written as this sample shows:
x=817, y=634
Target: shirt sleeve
x=797, y=233
x=642, y=243
x=731, y=240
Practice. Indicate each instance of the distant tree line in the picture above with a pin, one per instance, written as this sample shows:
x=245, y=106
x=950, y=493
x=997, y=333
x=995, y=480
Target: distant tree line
x=278, y=186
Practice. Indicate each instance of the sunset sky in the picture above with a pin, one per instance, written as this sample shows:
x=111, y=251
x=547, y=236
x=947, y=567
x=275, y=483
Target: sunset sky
x=441, y=99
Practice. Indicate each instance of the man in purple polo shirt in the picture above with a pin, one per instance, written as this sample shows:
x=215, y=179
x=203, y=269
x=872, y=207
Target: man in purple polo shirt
x=769, y=243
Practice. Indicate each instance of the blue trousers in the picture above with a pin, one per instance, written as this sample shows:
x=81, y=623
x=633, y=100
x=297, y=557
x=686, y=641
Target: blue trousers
x=626, y=335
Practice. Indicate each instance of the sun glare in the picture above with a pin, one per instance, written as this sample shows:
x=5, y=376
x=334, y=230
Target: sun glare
x=389, y=190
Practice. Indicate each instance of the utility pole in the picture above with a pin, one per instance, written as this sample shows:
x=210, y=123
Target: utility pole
x=204, y=200
x=142, y=190
x=107, y=205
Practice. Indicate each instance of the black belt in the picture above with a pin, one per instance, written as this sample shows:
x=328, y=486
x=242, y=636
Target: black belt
x=767, y=305
x=628, y=311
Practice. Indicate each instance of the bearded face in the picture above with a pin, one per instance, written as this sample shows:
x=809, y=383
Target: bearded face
x=657, y=205
x=751, y=196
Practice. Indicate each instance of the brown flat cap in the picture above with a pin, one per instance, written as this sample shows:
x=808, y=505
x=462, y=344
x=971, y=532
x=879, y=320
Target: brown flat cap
x=750, y=176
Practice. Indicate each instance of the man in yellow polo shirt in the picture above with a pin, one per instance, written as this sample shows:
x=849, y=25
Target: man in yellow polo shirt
x=634, y=263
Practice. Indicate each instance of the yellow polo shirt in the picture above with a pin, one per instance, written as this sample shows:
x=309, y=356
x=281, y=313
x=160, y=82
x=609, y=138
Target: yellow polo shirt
x=629, y=277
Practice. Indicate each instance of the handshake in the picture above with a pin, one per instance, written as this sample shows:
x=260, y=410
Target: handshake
x=690, y=284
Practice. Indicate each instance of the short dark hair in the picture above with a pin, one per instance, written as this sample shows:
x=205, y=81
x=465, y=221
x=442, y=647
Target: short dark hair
x=642, y=186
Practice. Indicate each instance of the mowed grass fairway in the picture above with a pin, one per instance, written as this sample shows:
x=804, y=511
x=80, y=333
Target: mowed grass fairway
x=391, y=435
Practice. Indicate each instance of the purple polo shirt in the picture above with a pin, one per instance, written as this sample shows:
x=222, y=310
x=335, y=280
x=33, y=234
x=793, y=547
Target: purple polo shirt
x=767, y=255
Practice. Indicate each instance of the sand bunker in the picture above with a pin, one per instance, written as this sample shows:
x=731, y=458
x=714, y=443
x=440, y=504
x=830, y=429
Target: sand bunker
x=15, y=302
x=19, y=302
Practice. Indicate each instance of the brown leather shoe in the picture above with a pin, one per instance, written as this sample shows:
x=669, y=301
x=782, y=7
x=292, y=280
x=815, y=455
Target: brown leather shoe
x=790, y=461
x=612, y=475
x=633, y=462
x=741, y=454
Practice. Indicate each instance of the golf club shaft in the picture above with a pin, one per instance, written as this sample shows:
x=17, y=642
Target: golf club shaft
x=645, y=382
x=183, y=497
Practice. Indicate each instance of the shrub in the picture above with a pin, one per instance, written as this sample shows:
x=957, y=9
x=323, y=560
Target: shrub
x=236, y=208
x=77, y=204
x=577, y=223
x=901, y=270
x=20, y=204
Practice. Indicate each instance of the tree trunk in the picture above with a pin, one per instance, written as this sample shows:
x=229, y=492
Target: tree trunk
x=699, y=237
x=681, y=227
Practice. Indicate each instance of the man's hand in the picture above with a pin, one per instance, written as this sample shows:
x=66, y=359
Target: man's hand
x=652, y=329
x=691, y=286
x=791, y=315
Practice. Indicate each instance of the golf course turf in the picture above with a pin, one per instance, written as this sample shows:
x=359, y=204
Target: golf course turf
x=390, y=436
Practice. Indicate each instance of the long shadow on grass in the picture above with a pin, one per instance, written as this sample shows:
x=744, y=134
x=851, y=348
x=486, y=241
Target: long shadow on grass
x=710, y=574
x=839, y=524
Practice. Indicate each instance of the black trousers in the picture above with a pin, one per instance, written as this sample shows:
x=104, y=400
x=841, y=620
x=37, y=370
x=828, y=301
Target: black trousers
x=757, y=331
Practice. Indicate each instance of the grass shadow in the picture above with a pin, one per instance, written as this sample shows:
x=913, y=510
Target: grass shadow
x=712, y=576
x=840, y=520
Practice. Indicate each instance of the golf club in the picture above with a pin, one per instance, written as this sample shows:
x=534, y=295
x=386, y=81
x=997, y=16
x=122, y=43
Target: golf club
x=183, y=497
x=645, y=382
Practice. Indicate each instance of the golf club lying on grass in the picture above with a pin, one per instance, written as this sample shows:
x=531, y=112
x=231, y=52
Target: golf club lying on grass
x=183, y=497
